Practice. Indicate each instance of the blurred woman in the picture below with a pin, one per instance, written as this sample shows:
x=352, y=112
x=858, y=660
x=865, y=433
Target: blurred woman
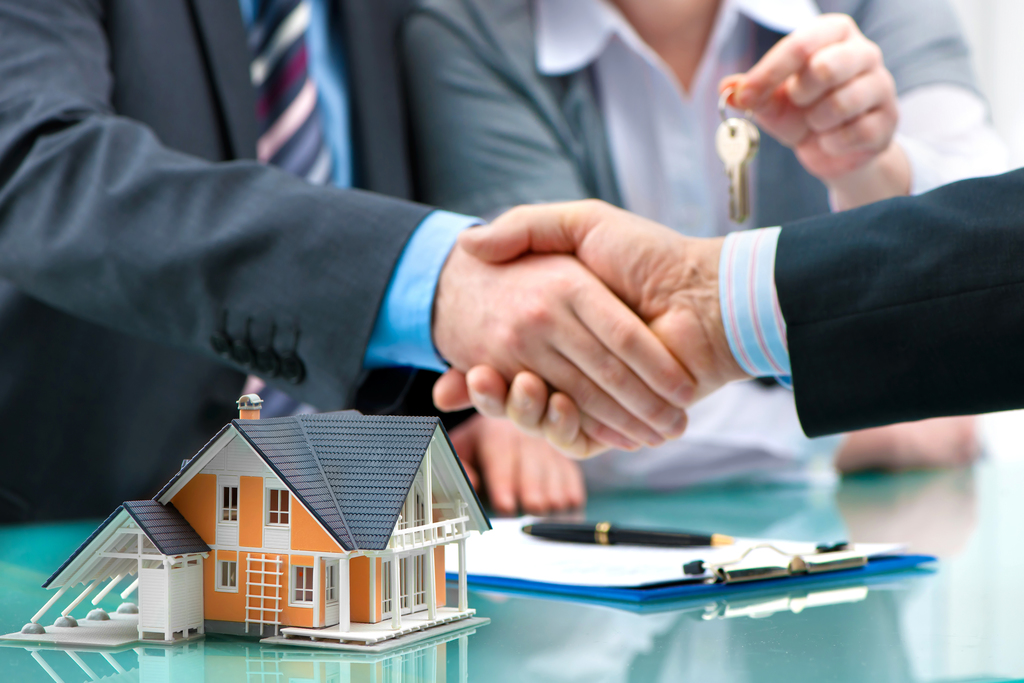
x=520, y=101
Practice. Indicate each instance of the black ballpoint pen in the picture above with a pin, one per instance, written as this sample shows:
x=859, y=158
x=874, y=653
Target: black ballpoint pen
x=603, y=533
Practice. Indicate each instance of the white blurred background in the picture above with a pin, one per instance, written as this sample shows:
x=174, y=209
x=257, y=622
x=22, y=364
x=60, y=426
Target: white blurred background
x=995, y=31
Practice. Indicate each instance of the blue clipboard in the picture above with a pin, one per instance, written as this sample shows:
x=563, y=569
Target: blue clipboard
x=685, y=589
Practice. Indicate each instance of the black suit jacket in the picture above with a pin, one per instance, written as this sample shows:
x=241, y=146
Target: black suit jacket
x=909, y=308
x=141, y=247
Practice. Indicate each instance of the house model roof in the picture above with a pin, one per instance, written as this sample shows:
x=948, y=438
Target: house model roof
x=163, y=524
x=352, y=472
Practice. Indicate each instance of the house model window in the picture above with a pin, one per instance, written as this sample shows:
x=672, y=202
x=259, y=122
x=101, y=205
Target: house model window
x=277, y=508
x=227, y=575
x=302, y=584
x=229, y=504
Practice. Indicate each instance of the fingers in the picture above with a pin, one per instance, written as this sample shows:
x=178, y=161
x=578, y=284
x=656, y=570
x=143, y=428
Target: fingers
x=450, y=392
x=464, y=440
x=500, y=463
x=870, y=133
x=540, y=480
x=629, y=339
x=559, y=422
x=593, y=400
x=789, y=56
x=548, y=481
x=487, y=389
x=527, y=401
x=574, y=483
x=860, y=95
x=522, y=472
x=831, y=67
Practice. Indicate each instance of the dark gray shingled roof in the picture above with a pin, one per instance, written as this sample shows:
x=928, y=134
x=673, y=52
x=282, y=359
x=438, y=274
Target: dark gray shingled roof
x=352, y=471
x=165, y=526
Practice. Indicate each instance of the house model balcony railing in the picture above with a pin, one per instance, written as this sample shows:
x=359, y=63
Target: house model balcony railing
x=429, y=534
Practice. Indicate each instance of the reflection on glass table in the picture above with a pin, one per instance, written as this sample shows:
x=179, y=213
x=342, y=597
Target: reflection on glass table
x=960, y=622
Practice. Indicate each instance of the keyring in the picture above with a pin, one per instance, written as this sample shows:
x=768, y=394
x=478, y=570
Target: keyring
x=723, y=102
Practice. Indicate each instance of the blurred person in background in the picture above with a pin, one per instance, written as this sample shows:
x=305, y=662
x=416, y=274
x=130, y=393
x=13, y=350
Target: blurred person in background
x=523, y=101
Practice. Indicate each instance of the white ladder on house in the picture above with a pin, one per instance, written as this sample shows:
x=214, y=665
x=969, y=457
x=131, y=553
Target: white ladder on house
x=263, y=573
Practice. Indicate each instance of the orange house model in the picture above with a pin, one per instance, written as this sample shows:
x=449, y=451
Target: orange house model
x=320, y=530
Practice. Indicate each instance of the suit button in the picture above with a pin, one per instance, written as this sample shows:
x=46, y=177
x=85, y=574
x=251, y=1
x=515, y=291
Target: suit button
x=292, y=368
x=242, y=353
x=267, y=361
x=221, y=344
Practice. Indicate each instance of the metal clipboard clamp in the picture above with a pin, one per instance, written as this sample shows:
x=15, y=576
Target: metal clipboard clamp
x=784, y=564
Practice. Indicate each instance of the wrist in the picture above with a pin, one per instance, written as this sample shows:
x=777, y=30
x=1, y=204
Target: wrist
x=886, y=175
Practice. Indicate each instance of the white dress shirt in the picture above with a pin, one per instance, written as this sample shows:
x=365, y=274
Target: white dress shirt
x=662, y=145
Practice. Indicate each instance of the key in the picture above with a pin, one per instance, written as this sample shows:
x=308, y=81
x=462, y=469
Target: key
x=737, y=141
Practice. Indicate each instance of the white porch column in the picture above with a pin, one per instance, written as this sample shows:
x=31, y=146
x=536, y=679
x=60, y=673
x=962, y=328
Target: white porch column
x=431, y=585
x=396, y=595
x=318, y=566
x=428, y=476
x=168, y=633
x=463, y=593
x=81, y=596
x=344, y=596
x=49, y=603
x=130, y=589
x=103, y=593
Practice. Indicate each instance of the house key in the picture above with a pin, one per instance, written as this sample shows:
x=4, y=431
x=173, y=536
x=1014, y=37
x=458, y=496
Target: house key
x=736, y=142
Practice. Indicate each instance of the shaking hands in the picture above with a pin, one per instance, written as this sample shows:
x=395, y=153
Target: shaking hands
x=627, y=334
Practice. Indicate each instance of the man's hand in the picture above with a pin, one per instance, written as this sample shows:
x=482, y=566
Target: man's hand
x=516, y=471
x=552, y=316
x=670, y=280
x=824, y=91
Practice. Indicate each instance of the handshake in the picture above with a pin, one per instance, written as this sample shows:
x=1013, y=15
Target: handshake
x=583, y=323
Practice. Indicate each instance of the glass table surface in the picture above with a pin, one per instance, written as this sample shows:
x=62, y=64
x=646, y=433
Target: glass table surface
x=959, y=620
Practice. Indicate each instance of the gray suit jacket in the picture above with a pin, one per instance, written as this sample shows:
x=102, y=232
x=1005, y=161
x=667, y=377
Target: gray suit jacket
x=491, y=132
x=147, y=261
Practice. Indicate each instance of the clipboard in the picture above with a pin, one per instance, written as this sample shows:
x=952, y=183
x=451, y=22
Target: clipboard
x=507, y=560
x=697, y=589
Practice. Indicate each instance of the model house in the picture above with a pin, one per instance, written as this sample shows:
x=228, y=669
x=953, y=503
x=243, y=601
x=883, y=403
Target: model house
x=313, y=529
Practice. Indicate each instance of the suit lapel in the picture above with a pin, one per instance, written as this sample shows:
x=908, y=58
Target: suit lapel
x=227, y=55
x=369, y=29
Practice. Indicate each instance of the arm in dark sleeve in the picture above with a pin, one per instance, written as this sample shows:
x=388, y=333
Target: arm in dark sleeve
x=907, y=309
x=100, y=220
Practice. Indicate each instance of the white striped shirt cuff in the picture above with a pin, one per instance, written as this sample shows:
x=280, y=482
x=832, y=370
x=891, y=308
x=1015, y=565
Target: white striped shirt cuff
x=753, y=320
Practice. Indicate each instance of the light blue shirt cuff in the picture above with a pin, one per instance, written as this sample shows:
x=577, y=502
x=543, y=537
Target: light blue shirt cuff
x=402, y=334
x=751, y=314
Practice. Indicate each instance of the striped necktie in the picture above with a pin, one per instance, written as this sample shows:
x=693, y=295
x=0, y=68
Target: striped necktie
x=291, y=133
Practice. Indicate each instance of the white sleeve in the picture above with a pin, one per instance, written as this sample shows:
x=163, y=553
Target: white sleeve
x=947, y=136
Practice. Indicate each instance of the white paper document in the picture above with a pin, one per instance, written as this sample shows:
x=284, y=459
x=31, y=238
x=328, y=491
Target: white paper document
x=509, y=553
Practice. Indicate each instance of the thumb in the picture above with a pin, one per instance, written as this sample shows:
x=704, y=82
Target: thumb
x=539, y=228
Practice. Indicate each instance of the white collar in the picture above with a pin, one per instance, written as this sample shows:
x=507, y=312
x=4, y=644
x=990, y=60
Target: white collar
x=572, y=34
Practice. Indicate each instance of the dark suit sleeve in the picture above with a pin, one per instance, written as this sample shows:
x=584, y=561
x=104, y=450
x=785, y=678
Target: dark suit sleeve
x=907, y=309
x=100, y=220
